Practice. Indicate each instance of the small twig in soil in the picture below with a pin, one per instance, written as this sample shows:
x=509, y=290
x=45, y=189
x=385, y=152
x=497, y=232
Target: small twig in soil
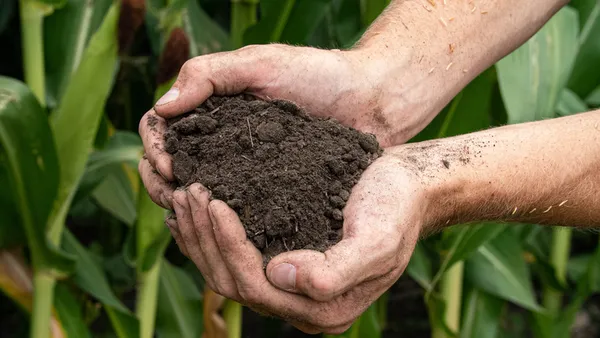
x=284, y=244
x=246, y=157
x=259, y=232
x=214, y=110
x=250, y=132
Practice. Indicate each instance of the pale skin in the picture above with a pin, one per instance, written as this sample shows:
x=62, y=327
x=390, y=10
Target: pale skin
x=392, y=84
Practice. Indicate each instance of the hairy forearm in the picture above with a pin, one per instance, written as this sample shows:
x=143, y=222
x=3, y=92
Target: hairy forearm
x=428, y=50
x=545, y=172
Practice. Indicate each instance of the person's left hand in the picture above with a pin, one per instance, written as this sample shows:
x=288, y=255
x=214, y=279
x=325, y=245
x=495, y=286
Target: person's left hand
x=314, y=291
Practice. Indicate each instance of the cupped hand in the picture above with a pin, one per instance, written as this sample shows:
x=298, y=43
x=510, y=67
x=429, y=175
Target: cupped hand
x=346, y=85
x=316, y=292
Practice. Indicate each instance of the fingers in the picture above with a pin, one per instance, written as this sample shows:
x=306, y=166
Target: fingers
x=198, y=197
x=245, y=264
x=171, y=223
x=225, y=73
x=188, y=235
x=158, y=189
x=324, y=276
x=152, y=129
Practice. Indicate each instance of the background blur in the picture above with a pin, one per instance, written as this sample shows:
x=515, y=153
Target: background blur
x=84, y=250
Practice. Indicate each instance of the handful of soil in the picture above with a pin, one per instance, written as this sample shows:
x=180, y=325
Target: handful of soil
x=287, y=175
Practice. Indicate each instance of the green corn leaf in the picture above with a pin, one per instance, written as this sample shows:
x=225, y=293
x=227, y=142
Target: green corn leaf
x=569, y=103
x=66, y=33
x=463, y=241
x=588, y=282
x=77, y=117
x=90, y=277
x=274, y=17
x=124, y=324
x=303, y=21
x=498, y=268
x=482, y=313
x=347, y=21
x=586, y=74
x=52, y=3
x=115, y=195
x=370, y=10
x=369, y=323
x=204, y=34
x=594, y=98
x=578, y=266
x=69, y=313
x=123, y=148
x=107, y=176
x=29, y=162
x=180, y=310
x=468, y=112
x=419, y=267
x=152, y=236
x=533, y=76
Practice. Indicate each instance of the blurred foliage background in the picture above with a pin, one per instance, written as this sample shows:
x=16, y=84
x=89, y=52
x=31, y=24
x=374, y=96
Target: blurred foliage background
x=84, y=252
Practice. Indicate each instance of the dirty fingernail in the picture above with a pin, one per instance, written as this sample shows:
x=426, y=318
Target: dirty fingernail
x=171, y=223
x=284, y=276
x=165, y=202
x=169, y=96
x=211, y=214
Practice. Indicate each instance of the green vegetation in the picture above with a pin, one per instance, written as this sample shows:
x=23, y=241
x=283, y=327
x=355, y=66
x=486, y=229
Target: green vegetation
x=84, y=251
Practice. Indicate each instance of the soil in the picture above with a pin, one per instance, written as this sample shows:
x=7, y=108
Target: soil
x=287, y=175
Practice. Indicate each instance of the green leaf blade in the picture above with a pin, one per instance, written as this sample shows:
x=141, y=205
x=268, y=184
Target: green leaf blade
x=532, y=77
x=29, y=160
x=76, y=119
x=498, y=268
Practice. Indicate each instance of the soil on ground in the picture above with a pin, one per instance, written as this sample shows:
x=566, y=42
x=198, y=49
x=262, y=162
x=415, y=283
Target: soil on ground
x=288, y=175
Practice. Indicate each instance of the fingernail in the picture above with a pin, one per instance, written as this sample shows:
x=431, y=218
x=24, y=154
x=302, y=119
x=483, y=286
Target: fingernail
x=170, y=223
x=284, y=276
x=169, y=96
x=165, y=202
x=211, y=215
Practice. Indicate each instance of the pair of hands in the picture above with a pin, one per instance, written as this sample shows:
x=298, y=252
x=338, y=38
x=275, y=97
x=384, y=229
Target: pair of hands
x=316, y=292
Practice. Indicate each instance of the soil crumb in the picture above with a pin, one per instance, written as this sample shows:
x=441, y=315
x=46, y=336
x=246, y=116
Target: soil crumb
x=287, y=175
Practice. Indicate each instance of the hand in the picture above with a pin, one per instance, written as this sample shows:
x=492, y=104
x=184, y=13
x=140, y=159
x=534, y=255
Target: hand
x=316, y=292
x=346, y=85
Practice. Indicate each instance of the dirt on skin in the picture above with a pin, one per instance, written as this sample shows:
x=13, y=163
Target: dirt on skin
x=287, y=175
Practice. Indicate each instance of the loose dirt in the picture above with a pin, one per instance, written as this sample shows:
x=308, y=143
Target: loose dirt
x=287, y=175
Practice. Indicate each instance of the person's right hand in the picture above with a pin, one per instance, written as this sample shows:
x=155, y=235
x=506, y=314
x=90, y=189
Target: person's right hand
x=350, y=86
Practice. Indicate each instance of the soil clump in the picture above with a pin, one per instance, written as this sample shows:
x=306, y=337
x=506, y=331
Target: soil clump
x=288, y=175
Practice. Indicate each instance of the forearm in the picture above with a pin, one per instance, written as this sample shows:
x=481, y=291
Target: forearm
x=427, y=53
x=544, y=172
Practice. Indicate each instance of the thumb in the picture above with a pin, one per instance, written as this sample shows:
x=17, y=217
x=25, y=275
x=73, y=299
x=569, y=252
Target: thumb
x=225, y=73
x=322, y=276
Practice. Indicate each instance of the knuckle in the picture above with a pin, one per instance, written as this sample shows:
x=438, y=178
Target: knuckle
x=193, y=66
x=250, y=295
x=322, y=288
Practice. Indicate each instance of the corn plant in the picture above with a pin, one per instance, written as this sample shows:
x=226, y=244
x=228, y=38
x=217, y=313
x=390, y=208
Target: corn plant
x=83, y=251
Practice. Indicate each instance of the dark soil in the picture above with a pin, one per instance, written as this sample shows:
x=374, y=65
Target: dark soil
x=288, y=175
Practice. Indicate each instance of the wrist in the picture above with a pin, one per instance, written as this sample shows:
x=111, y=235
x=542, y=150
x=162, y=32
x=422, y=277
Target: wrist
x=450, y=190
